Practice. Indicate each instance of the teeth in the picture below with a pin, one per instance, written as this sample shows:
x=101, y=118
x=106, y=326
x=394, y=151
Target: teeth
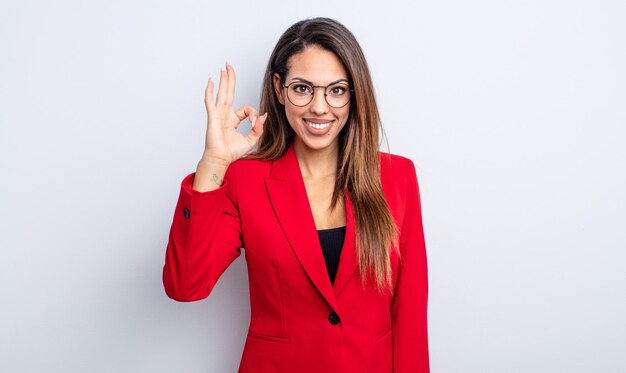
x=318, y=125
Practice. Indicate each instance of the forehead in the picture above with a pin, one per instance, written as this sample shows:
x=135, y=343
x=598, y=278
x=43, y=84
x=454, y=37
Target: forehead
x=316, y=65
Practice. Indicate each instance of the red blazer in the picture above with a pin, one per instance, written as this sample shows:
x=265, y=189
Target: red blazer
x=299, y=321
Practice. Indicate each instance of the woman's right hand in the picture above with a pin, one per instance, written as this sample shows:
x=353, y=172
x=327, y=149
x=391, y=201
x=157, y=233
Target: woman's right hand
x=223, y=144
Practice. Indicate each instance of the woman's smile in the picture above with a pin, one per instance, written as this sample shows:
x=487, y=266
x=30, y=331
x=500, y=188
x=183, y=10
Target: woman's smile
x=319, y=127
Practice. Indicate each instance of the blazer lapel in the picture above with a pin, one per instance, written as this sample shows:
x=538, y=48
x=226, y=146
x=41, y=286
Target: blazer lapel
x=347, y=260
x=287, y=194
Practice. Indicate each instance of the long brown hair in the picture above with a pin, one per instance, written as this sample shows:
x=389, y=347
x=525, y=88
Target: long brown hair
x=358, y=165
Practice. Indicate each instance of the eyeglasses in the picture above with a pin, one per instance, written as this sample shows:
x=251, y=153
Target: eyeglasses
x=301, y=94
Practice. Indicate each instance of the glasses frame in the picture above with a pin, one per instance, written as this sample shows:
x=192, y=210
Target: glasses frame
x=313, y=93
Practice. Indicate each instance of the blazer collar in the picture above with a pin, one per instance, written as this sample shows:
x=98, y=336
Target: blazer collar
x=287, y=193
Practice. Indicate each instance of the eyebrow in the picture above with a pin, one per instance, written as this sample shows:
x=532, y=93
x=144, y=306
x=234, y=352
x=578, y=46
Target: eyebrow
x=311, y=83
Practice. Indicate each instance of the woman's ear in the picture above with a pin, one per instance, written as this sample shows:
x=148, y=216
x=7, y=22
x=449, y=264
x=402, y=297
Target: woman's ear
x=278, y=88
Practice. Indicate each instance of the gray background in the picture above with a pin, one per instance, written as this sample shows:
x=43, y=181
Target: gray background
x=513, y=112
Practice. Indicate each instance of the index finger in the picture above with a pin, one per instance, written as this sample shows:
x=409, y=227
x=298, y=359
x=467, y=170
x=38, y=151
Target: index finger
x=246, y=111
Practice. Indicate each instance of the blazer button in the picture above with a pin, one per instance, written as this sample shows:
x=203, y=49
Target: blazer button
x=186, y=213
x=333, y=318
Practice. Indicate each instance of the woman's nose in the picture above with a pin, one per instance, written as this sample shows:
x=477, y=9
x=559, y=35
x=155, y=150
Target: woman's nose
x=318, y=104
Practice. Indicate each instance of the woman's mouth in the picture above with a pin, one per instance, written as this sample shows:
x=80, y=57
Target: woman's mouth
x=318, y=125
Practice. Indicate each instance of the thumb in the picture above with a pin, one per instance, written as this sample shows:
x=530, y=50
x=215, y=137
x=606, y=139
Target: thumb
x=257, y=129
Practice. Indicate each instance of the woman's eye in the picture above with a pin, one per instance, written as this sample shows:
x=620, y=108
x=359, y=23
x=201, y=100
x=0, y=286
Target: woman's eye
x=338, y=90
x=302, y=88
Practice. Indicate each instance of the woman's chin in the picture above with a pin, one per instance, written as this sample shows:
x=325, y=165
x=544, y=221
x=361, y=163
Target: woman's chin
x=317, y=144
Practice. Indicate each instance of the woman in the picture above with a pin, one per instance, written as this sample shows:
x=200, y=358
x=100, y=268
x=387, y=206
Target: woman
x=331, y=226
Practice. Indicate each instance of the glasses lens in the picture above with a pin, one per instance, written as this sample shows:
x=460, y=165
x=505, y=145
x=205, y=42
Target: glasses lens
x=338, y=95
x=300, y=94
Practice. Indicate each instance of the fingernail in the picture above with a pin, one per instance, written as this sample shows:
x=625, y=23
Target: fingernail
x=253, y=121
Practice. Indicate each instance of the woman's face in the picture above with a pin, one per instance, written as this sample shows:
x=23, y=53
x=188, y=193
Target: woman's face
x=316, y=124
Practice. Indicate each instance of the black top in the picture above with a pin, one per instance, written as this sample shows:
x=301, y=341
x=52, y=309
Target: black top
x=331, y=241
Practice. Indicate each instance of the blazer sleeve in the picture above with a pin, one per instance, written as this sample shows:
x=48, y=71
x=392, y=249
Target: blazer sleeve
x=205, y=238
x=409, y=306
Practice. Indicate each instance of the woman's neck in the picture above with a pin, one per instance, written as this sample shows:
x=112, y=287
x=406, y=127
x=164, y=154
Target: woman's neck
x=314, y=163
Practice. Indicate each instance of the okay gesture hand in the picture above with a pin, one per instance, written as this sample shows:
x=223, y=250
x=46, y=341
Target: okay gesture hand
x=223, y=143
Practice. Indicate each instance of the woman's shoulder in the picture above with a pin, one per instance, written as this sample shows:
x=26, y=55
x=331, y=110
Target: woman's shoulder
x=394, y=162
x=397, y=174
